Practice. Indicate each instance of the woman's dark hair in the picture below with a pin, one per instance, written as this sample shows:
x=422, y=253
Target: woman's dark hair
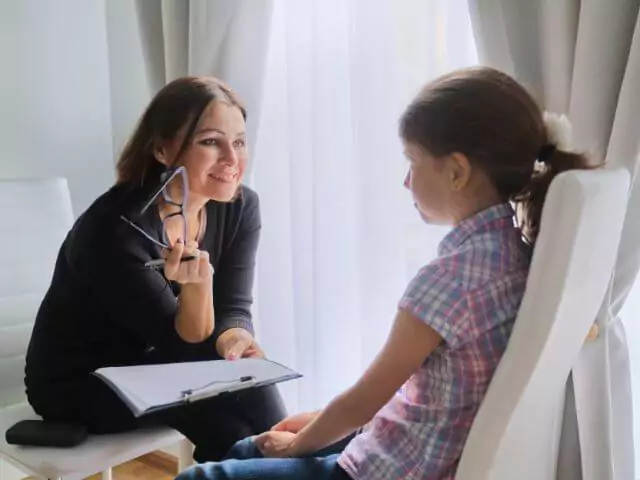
x=178, y=105
x=489, y=117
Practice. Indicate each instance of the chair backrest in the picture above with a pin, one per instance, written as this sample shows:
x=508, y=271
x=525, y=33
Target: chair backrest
x=35, y=216
x=516, y=432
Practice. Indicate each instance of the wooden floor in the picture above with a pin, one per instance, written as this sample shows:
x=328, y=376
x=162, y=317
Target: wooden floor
x=155, y=466
x=137, y=470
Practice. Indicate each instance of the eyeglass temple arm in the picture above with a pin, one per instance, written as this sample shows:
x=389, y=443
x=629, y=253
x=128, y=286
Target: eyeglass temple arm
x=177, y=171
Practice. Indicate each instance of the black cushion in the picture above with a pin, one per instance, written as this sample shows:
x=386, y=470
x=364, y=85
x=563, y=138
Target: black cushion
x=40, y=433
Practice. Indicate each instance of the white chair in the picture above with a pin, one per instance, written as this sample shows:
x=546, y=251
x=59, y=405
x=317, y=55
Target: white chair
x=516, y=432
x=35, y=216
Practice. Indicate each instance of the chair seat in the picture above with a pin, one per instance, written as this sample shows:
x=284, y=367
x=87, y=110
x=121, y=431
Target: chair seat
x=97, y=453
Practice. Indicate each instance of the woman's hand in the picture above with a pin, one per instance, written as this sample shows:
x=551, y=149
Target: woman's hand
x=196, y=318
x=276, y=444
x=295, y=423
x=238, y=343
x=198, y=270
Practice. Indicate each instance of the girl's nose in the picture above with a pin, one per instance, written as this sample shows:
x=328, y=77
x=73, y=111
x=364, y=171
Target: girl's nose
x=407, y=180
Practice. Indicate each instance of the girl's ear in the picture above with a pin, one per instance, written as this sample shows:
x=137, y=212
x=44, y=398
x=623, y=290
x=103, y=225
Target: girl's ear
x=460, y=170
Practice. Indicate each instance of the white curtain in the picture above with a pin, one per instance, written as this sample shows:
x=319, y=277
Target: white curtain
x=340, y=236
x=582, y=58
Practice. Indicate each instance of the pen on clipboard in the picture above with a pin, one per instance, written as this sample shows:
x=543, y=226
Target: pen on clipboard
x=193, y=395
x=159, y=263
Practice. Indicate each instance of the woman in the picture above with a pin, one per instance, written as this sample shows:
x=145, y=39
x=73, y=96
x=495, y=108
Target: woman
x=108, y=306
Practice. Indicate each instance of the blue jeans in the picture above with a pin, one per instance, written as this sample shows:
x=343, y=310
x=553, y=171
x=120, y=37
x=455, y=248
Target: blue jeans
x=245, y=462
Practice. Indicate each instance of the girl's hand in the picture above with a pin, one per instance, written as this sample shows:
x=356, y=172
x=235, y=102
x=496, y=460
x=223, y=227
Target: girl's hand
x=198, y=270
x=275, y=444
x=295, y=423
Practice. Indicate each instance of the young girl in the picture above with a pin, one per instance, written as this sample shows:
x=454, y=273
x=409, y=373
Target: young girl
x=477, y=144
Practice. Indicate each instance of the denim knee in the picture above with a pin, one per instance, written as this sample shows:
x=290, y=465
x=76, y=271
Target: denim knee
x=192, y=473
x=244, y=450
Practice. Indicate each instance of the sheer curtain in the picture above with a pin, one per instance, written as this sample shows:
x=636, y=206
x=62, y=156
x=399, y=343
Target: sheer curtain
x=340, y=236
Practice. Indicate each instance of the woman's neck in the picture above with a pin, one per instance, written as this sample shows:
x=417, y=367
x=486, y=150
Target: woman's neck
x=193, y=211
x=194, y=202
x=194, y=206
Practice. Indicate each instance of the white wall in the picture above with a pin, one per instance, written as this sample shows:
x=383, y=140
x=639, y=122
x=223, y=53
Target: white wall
x=54, y=94
x=54, y=100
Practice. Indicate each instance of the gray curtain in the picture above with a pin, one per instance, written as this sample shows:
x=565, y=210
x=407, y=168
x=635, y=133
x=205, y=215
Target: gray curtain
x=152, y=42
x=582, y=58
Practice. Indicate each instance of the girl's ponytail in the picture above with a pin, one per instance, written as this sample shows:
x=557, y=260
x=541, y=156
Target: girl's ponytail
x=554, y=158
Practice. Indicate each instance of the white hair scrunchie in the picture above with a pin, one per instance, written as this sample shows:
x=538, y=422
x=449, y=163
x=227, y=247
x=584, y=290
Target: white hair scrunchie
x=559, y=130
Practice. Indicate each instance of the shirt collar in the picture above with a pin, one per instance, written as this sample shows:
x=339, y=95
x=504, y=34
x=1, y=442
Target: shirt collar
x=493, y=218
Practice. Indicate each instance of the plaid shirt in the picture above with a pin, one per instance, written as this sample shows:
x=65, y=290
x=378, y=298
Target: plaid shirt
x=470, y=295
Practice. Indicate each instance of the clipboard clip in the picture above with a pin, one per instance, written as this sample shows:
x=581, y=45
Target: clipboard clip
x=192, y=395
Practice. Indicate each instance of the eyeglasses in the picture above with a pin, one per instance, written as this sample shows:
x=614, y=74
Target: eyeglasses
x=166, y=178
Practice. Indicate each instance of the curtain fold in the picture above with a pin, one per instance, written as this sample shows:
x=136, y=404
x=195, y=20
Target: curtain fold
x=623, y=149
x=582, y=58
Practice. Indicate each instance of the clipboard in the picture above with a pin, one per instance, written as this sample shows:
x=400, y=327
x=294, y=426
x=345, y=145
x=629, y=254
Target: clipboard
x=150, y=388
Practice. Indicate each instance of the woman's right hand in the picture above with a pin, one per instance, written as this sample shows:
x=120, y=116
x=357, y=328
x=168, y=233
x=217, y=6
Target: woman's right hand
x=295, y=423
x=194, y=271
x=195, y=320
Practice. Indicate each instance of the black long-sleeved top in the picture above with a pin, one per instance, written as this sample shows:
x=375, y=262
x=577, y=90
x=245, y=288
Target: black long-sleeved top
x=104, y=308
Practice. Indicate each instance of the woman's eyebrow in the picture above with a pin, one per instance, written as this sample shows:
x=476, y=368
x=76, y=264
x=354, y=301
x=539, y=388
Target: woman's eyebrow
x=209, y=130
x=215, y=130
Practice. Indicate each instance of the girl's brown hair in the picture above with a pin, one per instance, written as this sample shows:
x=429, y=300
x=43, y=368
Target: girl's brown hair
x=178, y=105
x=493, y=120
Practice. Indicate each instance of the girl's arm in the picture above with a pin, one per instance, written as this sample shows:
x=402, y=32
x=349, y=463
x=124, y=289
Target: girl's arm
x=411, y=341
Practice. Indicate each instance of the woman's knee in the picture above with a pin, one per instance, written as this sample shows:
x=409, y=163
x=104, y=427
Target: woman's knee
x=262, y=406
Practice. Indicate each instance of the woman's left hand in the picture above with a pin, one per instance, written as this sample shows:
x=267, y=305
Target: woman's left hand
x=238, y=343
x=275, y=444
